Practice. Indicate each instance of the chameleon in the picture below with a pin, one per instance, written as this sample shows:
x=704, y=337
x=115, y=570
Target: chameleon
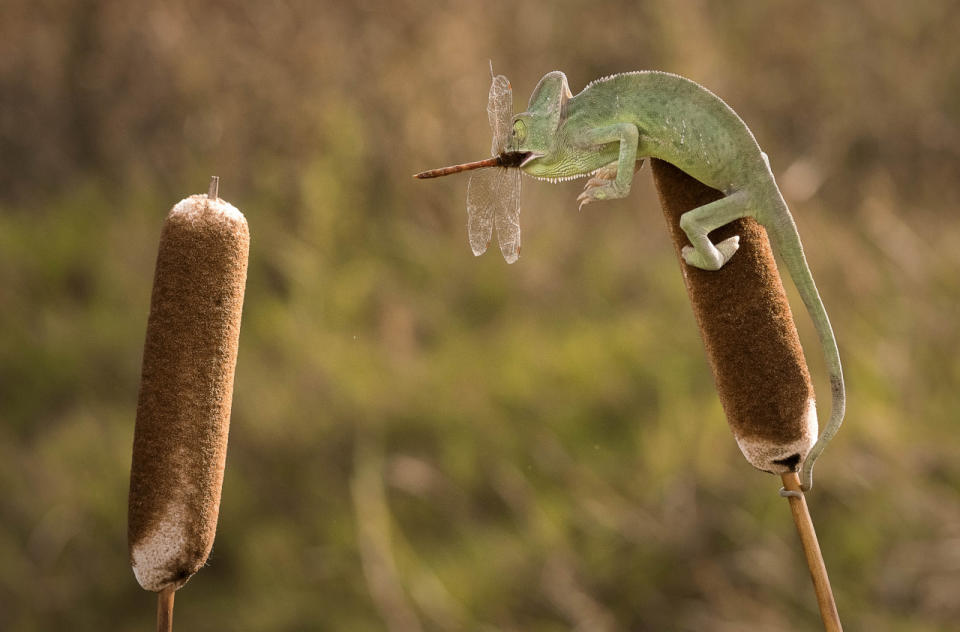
x=604, y=133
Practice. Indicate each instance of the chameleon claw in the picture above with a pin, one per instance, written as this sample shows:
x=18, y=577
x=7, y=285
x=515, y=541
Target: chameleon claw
x=585, y=198
x=595, y=182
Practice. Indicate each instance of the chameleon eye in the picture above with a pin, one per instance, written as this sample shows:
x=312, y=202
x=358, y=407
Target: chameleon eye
x=519, y=130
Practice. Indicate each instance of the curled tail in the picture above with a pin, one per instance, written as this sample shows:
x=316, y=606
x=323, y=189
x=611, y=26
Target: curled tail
x=783, y=232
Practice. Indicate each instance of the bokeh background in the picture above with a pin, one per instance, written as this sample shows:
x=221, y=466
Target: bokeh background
x=427, y=441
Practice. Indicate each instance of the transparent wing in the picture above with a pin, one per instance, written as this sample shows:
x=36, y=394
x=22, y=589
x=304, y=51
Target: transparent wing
x=482, y=191
x=507, y=216
x=500, y=113
x=493, y=195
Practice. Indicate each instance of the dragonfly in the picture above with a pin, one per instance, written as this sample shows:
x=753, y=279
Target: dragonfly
x=493, y=193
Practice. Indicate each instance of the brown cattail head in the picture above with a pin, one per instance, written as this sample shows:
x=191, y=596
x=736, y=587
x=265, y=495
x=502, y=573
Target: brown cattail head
x=186, y=388
x=749, y=333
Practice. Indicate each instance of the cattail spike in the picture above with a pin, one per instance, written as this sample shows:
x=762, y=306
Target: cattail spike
x=749, y=334
x=755, y=355
x=186, y=388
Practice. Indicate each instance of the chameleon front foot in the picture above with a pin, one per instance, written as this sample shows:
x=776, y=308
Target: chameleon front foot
x=598, y=190
x=715, y=257
x=603, y=185
x=599, y=186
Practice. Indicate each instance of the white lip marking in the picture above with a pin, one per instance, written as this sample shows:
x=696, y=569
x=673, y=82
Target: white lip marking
x=531, y=156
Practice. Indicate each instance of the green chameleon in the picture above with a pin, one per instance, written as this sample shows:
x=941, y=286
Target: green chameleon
x=605, y=132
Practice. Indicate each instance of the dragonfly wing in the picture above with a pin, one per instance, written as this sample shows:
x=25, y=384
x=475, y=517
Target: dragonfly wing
x=507, y=215
x=500, y=113
x=481, y=200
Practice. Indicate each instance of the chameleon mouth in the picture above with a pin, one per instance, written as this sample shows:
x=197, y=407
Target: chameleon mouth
x=529, y=157
x=514, y=159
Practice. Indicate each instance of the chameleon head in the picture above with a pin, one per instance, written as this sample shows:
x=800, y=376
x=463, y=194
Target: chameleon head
x=536, y=133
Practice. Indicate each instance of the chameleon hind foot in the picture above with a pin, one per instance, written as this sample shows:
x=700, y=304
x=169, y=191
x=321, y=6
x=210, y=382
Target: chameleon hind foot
x=699, y=222
x=712, y=260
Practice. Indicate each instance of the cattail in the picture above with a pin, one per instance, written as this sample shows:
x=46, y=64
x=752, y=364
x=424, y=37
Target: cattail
x=186, y=388
x=749, y=334
x=755, y=356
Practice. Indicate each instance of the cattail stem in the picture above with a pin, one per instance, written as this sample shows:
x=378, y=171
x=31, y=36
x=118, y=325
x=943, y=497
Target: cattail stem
x=811, y=549
x=214, y=191
x=165, y=609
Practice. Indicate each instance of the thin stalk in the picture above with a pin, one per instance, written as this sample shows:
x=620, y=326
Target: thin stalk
x=165, y=609
x=811, y=549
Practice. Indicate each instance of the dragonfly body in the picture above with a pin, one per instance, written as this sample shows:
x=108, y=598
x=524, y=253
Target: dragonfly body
x=509, y=160
x=493, y=193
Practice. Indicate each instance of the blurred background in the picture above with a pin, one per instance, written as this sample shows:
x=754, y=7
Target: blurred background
x=427, y=441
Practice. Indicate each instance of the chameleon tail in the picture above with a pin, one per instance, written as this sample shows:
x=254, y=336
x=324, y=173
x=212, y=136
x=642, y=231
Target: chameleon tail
x=783, y=232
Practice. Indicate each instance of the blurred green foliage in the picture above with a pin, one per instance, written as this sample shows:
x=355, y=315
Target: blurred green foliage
x=426, y=441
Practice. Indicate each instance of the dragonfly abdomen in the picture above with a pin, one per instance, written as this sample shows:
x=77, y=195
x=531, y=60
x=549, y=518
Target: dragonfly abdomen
x=510, y=159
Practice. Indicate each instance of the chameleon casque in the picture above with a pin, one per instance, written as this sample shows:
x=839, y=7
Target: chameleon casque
x=606, y=131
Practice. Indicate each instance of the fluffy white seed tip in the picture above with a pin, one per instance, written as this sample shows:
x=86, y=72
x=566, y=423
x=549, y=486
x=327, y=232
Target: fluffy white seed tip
x=763, y=453
x=159, y=550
